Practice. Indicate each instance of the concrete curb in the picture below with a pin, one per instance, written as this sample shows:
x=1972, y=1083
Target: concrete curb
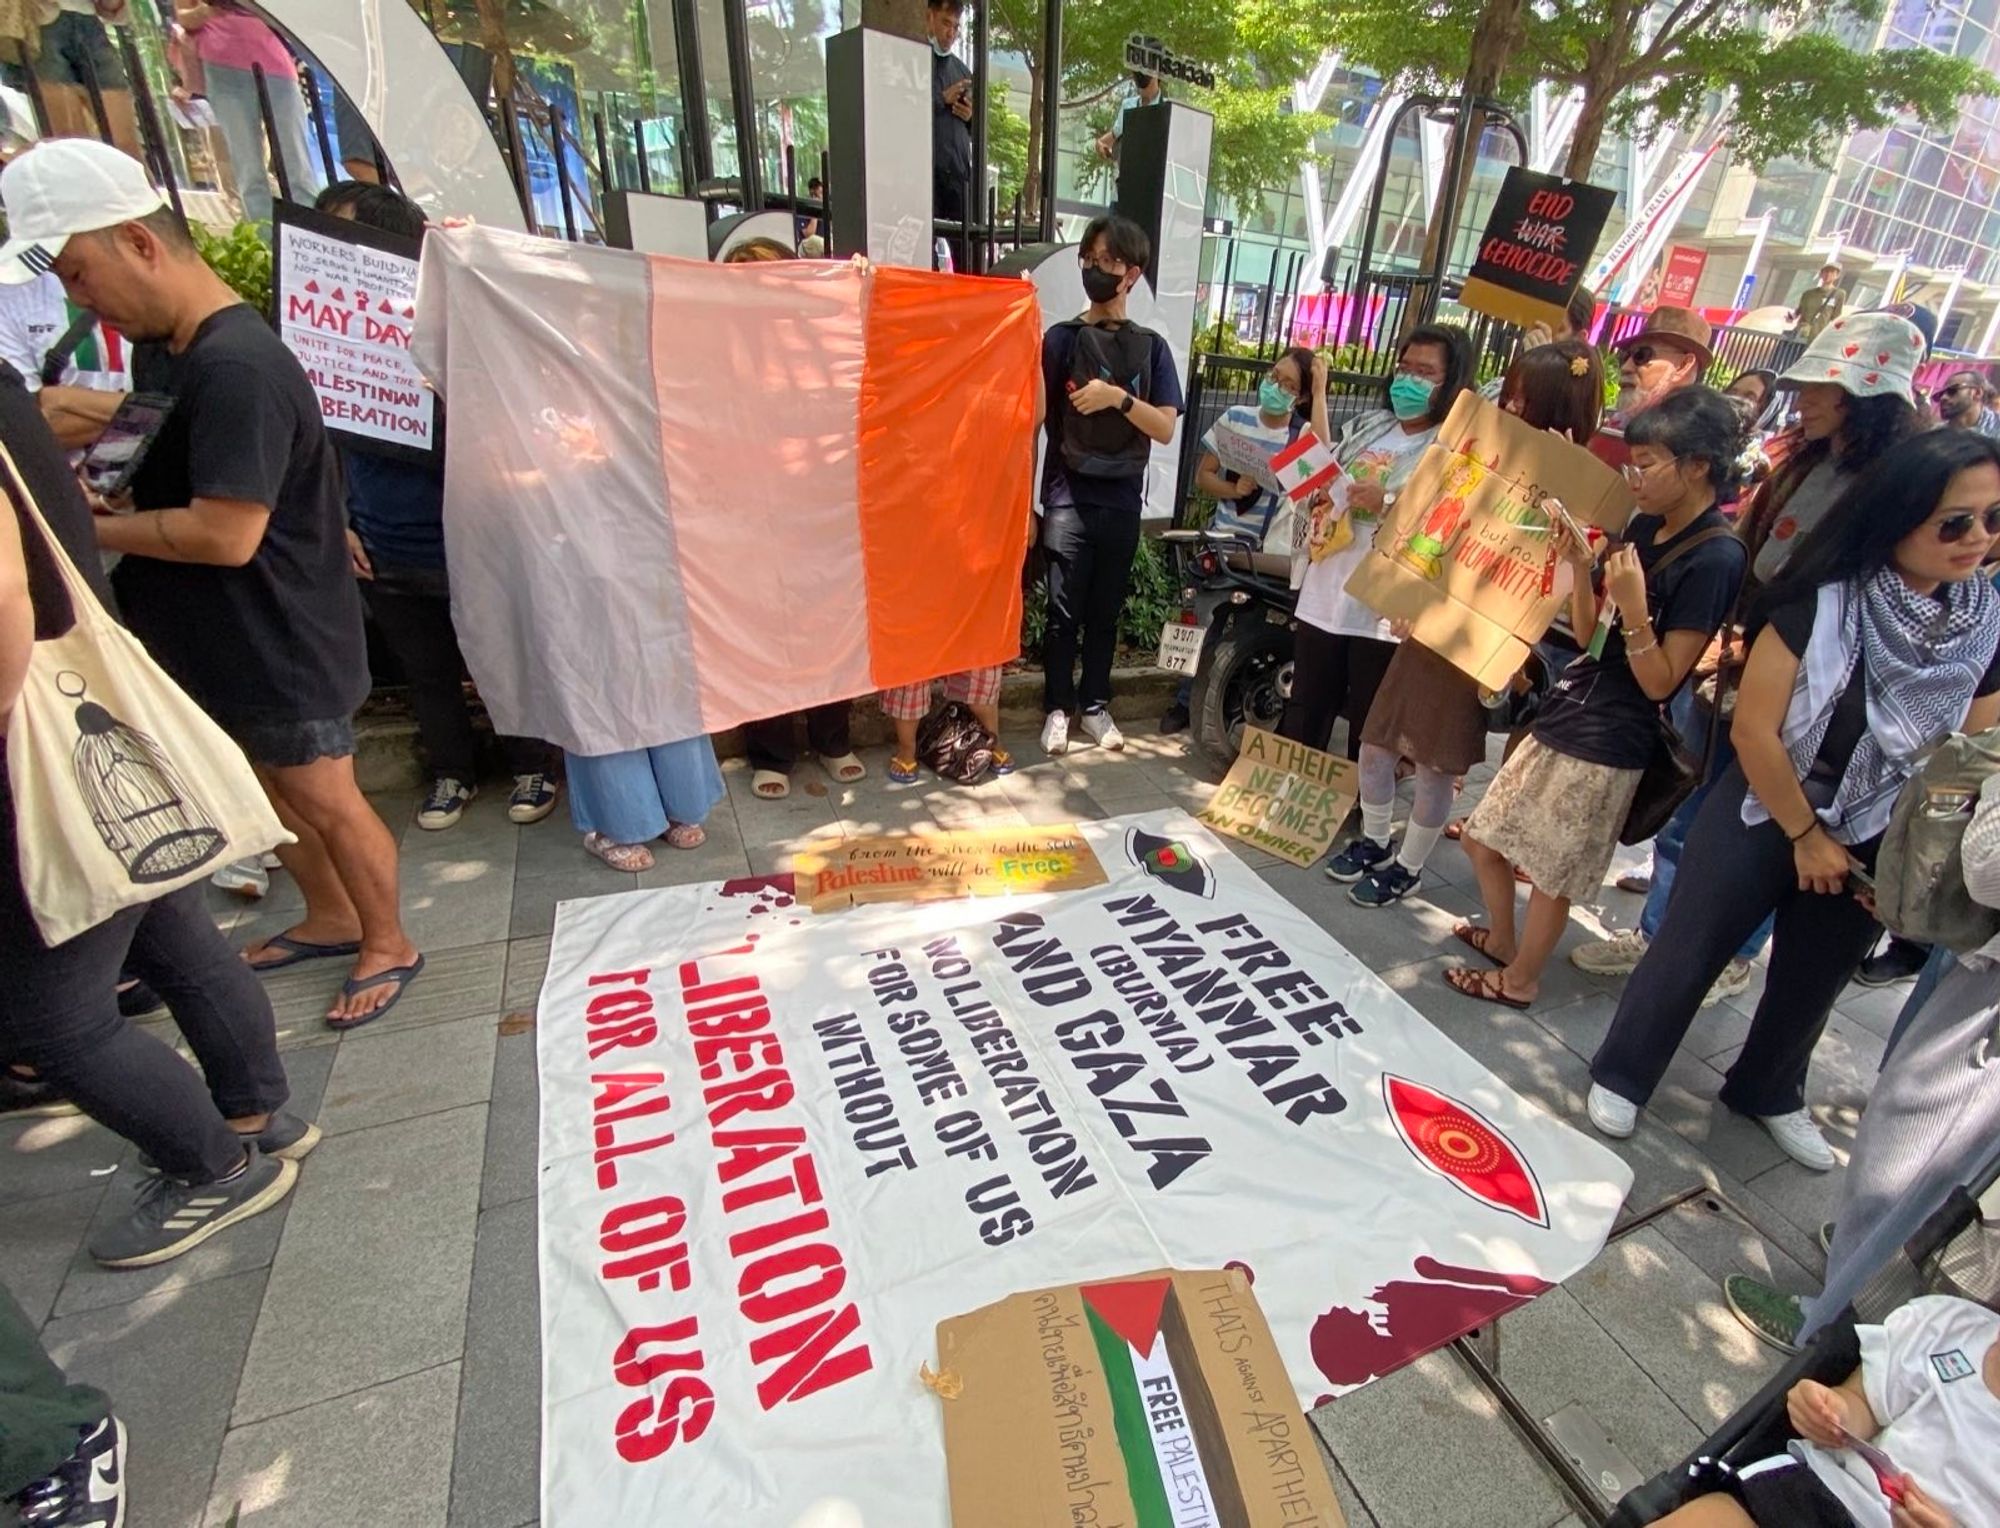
x=386, y=757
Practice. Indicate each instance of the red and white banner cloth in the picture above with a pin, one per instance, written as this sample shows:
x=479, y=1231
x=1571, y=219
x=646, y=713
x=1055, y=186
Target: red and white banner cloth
x=777, y=1149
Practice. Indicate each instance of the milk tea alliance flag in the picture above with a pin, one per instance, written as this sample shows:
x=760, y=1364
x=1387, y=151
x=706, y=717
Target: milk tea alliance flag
x=681, y=496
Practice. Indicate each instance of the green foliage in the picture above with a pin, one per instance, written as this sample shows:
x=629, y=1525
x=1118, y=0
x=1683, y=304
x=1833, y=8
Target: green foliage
x=241, y=258
x=1797, y=88
x=1006, y=144
x=1256, y=48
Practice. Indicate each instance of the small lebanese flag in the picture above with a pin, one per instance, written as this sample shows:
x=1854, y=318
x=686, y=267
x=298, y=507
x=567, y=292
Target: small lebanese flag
x=1304, y=467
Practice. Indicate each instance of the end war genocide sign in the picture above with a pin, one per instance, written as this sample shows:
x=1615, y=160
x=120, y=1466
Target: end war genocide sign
x=1538, y=239
x=346, y=301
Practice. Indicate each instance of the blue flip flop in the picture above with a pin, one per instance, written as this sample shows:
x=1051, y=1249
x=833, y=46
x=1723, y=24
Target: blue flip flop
x=298, y=951
x=354, y=985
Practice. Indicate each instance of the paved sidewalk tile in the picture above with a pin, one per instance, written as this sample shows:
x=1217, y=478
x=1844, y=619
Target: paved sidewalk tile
x=370, y=1283
x=512, y=1123
x=527, y=964
x=495, y=1476
x=1714, y=1232
x=42, y=1237
x=1660, y=1307
x=169, y=1362
x=380, y=1458
x=458, y=887
x=250, y=1245
x=1494, y=1480
x=401, y=1074
x=40, y=1156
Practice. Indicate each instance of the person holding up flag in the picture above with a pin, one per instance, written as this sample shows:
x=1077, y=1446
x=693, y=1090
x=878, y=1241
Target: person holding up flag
x=1343, y=647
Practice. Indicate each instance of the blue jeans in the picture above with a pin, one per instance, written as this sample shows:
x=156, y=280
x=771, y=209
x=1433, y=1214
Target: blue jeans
x=1692, y=722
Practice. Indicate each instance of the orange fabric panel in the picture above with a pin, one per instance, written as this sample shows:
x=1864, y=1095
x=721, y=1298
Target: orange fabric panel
x=947, y=461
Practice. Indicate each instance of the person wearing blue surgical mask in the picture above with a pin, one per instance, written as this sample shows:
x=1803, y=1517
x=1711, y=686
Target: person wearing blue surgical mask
x=1343, y=647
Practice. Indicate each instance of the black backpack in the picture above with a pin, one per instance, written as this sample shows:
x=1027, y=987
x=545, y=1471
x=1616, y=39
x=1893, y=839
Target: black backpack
x=951, y=742
x=1107, y=444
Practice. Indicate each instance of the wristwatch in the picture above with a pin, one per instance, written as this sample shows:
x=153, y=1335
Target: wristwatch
x=1125, y=404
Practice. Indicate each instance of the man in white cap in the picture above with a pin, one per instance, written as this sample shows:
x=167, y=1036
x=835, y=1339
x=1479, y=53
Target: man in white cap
x=235, y=569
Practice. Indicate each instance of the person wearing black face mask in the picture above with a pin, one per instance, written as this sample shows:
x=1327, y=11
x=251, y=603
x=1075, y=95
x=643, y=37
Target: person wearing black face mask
x=1111, y=394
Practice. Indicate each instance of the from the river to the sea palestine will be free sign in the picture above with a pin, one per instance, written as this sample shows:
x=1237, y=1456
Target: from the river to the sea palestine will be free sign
x=1538, y=240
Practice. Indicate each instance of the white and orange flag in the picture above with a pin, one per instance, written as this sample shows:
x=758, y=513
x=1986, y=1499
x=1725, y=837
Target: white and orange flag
x=681, y=496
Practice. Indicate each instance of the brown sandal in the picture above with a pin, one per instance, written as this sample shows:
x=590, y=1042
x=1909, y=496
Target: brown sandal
x=1485, y=987
x=1476, y=937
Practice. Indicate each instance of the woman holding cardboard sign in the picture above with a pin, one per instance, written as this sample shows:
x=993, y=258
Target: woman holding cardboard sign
x=1428, y=709
x=1343, y=647
x=1557, y=806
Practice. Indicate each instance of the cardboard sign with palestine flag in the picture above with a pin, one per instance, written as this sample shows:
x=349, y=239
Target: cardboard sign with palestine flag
x=1538, y=239
x=1157, y=1401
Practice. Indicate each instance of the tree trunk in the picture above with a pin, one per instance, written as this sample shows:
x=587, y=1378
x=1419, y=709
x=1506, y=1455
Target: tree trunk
x=1494, y=40
x=1589, y=133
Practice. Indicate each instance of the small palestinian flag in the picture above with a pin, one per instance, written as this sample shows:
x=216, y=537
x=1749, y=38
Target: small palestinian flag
x=1304, y=467
x=1132, y=1324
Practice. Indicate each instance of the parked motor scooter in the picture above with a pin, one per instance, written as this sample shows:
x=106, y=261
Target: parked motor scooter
x=1233, y=637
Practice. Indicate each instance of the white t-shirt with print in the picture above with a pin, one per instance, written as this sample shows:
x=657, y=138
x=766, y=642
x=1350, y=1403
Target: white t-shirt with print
x=1923, y=1371
x=1374, y=448
x=34, y=315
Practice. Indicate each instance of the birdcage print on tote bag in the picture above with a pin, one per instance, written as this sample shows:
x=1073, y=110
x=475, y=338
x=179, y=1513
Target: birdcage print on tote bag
x=123, y=787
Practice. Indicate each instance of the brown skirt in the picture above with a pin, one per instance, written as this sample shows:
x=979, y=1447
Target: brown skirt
x=1428, y=712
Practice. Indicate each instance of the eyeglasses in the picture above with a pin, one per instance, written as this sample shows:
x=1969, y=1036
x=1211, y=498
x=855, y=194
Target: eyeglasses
x=1645, y=355
x=1954, y=390
x=1635, y=475
x=1953, y=529
x=1109, y=263
x=1403, y=369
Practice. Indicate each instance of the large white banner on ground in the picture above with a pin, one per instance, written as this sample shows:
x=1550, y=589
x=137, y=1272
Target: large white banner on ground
x=777, y=1149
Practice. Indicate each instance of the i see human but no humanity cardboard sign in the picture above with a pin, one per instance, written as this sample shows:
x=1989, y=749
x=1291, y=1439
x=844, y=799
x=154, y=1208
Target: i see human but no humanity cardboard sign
x=1284, y=798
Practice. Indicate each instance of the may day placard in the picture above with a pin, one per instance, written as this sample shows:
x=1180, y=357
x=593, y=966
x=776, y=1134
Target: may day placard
x=346, y=300
x=778, y=1149
x=1468, y=557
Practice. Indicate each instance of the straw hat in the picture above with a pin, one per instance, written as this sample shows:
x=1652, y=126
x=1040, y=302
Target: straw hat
x=1864, y=354
x=1681, y=326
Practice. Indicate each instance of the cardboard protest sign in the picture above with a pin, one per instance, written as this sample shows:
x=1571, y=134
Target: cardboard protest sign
x=1158, y=1399
x=1680, y=275
x=1242, y=455
x=1538, y=239
x=345, y=300
x=1467, y=555
x=1283, y=797
x=924, y=867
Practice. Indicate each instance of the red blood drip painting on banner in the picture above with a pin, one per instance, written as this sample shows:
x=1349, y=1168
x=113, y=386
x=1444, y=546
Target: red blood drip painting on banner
x=1450, y=1138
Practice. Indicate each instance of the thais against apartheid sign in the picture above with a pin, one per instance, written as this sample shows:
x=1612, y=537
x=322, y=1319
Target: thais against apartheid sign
x=778, y=1149
x=346, y=300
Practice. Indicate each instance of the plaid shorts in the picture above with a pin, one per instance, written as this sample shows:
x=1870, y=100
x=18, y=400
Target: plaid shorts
x=912, y=702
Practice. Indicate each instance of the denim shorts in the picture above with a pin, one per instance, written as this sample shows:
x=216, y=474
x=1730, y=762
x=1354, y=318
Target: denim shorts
x=70, y=39
x=292, y=744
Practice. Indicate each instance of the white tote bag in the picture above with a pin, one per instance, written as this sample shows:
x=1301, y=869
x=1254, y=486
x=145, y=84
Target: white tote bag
x=124, y=790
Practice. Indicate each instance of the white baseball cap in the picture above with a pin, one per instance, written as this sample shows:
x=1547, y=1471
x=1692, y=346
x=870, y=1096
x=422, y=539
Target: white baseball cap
x=67, y=186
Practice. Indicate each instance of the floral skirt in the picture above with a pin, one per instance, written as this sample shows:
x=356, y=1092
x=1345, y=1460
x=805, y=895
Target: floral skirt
x=1556, y=817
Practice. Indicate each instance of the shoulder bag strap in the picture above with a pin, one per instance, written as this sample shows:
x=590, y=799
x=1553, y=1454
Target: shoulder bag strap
x=85, y=609
x=56, y=361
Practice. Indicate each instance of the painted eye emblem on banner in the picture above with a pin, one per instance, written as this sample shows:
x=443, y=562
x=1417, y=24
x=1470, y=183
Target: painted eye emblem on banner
x=1452, y=1139
x=1169, y=860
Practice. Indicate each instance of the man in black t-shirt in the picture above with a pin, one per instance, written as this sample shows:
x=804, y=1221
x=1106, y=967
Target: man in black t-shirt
x=951, y=117
x=235, y=570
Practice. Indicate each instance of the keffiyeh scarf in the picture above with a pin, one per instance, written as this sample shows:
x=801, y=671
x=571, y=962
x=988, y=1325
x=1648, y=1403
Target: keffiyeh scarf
x=1923, y=658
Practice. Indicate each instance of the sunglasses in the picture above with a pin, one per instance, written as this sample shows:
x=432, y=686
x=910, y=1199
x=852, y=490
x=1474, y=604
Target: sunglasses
x=1645, y=355
x=1955, y=528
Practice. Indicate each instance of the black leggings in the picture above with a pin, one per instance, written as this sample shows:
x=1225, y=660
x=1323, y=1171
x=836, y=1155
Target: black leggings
x=1332, y=677
x=1730, y=878
x=59, y=1015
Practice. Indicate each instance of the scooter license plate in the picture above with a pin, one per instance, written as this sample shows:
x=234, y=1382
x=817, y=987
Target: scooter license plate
x=1180, y=647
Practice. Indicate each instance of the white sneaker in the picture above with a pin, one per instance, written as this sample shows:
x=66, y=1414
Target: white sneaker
x=1617, y=956
x=1613, y=1116
x=1735, y=978
x=1102, y=730
x=246, y=877
x=1055, y=734
x=1799, y=1138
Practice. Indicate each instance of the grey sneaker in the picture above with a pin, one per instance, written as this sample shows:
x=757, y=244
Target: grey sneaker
x=169, y=1216
x=284, y=1135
